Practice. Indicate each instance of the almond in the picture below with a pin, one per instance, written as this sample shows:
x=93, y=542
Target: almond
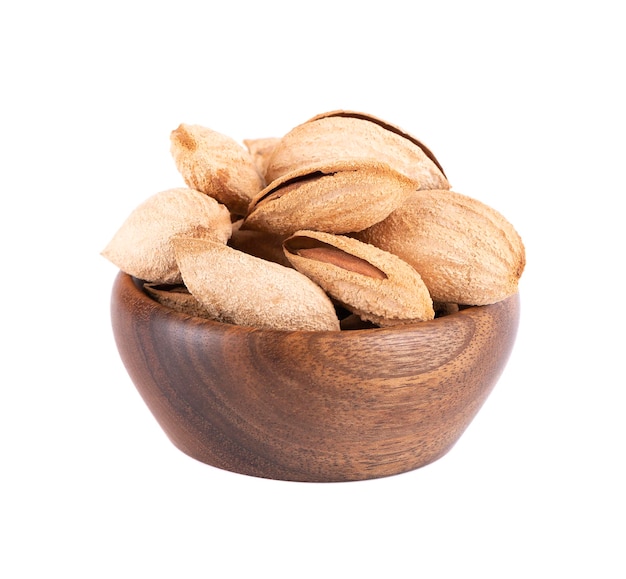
x=216, y=165
x=348, y=134
x=338, y=197
x=374, y=284
x=142, y=246
x=466, y=252
x=245, y=290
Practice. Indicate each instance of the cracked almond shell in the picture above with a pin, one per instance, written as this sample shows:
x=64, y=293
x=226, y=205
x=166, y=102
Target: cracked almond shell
x=217, y=165
x=348, y=134
x=241, y=289
x=142, y=246
x=466, y=252
x=338, y=197
x=377, y=286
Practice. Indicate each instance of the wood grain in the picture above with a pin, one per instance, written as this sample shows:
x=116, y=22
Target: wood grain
x=311, y=406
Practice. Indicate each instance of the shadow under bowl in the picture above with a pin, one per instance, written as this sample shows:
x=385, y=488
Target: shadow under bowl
x=311, y=406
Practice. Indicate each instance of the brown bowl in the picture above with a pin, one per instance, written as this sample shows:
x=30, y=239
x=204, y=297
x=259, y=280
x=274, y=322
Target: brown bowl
x=311, y=406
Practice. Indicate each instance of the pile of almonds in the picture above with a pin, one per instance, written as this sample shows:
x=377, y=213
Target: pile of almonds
x=344, y=222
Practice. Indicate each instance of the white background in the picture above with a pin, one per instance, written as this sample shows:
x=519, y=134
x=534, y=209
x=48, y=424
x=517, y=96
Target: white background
x=523, y=104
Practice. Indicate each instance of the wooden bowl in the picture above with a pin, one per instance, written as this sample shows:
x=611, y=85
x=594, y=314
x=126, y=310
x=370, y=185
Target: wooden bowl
x=311, y=406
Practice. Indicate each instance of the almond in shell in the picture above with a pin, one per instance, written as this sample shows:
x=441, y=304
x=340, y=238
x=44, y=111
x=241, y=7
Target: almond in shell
x=466, y=252
x=374, y=284
x=349, y=134
x=142, y=246
x=339, y=197
x=216, y=165
x=241, y=289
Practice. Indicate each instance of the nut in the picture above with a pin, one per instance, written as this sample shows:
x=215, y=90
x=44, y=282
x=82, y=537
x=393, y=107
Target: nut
x=374, y=284
x=347, y=134
x=142, y=246
x=216, y=165
x=238, y=288
x=339, y=197
x=466, y=252
x=345, y=222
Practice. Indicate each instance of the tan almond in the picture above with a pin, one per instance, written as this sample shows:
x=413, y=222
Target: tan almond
x=340, y=197
x=261, y=150
x=466, y=252
x=216, y=165
x=245, y=290
x=374, y=284
x=347, y=134
x=178, y=298
x=142, y=246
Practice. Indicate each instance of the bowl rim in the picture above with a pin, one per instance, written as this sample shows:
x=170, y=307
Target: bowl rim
x=134, y=287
